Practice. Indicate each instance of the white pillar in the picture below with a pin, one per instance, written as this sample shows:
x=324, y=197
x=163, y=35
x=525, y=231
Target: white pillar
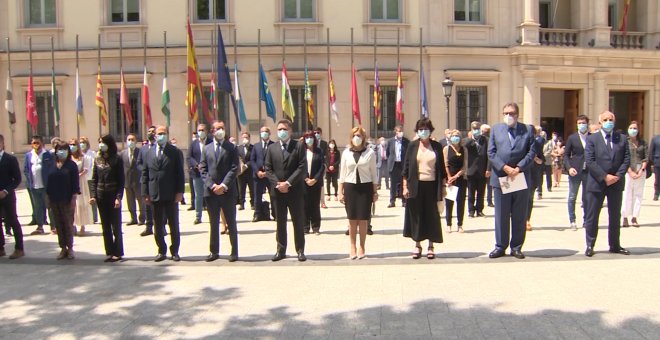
x=530, y=114
x=598, y=33
x=601, y=95
x=529, y=29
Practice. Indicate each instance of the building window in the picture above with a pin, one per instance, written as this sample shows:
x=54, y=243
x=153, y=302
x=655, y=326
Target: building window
x=210, y=10
x=545, y=14
x=299, y=10
x=388, y=113
x=468, y=11
x=46, y=114
x=124, y=11
x=612, y=16
x=471, y=103
x=301, y=122
x=118, y=127
x=385, y=10
x=41, y=12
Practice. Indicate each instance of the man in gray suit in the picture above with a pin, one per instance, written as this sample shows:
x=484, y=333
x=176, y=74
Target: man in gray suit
x=130, y=157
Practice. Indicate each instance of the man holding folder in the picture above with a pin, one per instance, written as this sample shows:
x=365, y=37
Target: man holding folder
x=511, y=153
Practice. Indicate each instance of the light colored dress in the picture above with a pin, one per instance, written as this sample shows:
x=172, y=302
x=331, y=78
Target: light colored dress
x=83, y=214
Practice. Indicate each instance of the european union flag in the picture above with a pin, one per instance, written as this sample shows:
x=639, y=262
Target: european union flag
x=224, y=82
x=264, y=94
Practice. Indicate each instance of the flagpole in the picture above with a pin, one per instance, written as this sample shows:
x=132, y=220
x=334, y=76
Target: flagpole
x=259, y=65
x=121, y=74
x=352, y=115
x=214, y=37
x=283, y=61
x=375, y=101
x=12, y=127
x=98, y=62
x=306, y=75
x=144, y=64
x=78, y=77
x=165, y=56
x=247, y=128
x=34, y=131
x=327, y=40
x=52, y=70
x=421, y=106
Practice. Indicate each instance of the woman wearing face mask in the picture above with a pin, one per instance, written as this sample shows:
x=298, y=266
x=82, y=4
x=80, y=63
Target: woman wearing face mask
x=423, y=183
x=456, y=161
x=357, y=188
x=88, y=156
x=332, y=167
x=635, y=177
x=107, y=192
x=63, y=186
x=82, y=215
x=313, y=183
x=557, y=161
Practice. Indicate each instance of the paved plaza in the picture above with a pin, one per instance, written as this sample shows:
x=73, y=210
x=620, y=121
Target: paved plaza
x=555, y=293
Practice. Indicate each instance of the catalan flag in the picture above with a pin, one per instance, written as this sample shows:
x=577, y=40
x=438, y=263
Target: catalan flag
x=100, y=101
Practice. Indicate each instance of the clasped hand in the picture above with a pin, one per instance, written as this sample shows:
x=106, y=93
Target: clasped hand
x=283, y=187
x=511, y=172
x=218, y=189
x=310, y=181
x=611, y=179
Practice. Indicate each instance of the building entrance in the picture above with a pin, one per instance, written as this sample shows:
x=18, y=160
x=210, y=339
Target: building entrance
x=559, y=109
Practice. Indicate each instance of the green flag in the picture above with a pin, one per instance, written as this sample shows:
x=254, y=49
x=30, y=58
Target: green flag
x=54, y=102
x=165, y=101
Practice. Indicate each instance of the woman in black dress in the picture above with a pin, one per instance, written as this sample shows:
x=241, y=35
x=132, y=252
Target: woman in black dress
x=313, y=182
x=456, y=163
x=332, y=167
x=357, y=187
x=107, y=192
x=423, y=181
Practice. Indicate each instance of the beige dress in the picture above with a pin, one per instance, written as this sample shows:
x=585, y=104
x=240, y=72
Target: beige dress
x=83, y=214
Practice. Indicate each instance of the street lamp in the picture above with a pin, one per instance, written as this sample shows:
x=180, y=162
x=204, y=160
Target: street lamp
x=447, y=86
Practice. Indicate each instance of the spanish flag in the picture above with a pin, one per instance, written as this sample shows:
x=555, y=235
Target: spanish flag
x=194, y=88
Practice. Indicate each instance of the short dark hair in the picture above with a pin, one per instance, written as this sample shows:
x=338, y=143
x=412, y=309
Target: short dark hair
x=582, y=117
x=424, y=123
x=513, y=105
x=39, y=138
x=318, y=128
x=285, y=122
x=62, y=145
x=109, y=140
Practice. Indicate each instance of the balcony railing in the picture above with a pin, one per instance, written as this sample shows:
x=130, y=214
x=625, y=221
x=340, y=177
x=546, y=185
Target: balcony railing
x=558, y=37
x=627, y=40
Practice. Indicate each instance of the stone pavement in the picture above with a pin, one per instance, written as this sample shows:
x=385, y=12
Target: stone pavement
x=555, y=293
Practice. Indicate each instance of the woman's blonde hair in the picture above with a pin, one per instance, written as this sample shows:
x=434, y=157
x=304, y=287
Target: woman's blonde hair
x=358, y=129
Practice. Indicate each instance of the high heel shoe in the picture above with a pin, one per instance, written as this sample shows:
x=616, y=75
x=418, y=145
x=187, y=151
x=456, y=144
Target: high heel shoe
x=417, y=253
x=430, y=254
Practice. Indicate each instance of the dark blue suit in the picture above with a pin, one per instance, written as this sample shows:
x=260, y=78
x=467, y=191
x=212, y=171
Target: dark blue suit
x=574, y=158
x=10, y=178
x=257, y=159
x=220, y=166
x=511, y=208
x=601, y=162
x=395, y=168
x=193, y=159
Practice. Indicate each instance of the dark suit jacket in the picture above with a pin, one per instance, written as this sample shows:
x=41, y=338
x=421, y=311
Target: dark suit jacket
x=220, y=170
x=501, y=153
x=162, y=178
x=258, y=156
x=291, y=169
x=477, y=156
x=654, y=152
x=195, y=156
x=411, y=171
x=574, y=153
x=131, y=172
x=318, y=165
x=10, y=173
x=391, y=151
x=47, y=165
x=601, y=162
x=244, y=153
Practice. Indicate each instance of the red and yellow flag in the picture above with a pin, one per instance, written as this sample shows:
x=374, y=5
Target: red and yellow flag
x=100, y=101
x=194, y=89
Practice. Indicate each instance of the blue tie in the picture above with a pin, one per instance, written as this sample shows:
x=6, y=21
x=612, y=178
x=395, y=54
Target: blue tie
x=512, y=136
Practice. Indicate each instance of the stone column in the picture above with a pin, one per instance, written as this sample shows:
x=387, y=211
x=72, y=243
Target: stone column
x=529, y=29
x=530, y=109
x=598, y=33
x=601, y=97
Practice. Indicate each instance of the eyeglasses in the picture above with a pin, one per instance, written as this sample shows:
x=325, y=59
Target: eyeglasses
x=608, y=119
x=509, y=112
x=36, y=143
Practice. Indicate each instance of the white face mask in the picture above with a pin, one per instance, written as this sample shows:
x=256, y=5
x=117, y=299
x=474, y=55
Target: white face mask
x=357, y=140
x=246, y=141
x=331, y=146
x=509, y=120
x=399, y=134
x=219, y=134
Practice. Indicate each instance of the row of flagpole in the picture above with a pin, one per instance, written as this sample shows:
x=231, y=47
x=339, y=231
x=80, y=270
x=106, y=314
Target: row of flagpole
x=220, y=80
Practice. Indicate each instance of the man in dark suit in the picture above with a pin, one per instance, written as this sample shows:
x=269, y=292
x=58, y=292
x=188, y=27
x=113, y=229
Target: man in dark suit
x=477, y=151
x=285, y=168
x=396, y=152
x=323, y=145
x=10, y=178
x=163, y=184
x=654, y=160
x=608, y=158
x=193, y=159
x=219, y=169
x=576, y=167
x=245, y=180
x=147, y=145
x=511, y=152
x=129, y=157
x=257, y=158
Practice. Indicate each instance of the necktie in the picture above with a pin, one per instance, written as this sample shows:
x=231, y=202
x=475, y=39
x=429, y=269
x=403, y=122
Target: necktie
x=160, y=152
x=217, y=150
x=512, y=136
x=285, y=152
x=608, y=142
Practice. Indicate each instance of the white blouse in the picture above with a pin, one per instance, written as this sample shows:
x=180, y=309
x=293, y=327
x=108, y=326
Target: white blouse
x=366, y=166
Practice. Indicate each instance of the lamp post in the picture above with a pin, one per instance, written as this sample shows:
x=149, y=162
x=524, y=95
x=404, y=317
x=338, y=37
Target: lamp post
x=447, y=86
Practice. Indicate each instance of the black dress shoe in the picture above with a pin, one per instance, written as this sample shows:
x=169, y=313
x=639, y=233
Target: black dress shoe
x=131, y=223
x=391, y=205
x=191, y=208
x=212, y=257
x=370, y=230
x=197, y=221
x=347, y=232
x=176, y=258
x=141, y=223
x=255, y=219
x=517, y=254
x=241, y=207
x=480, y=214
x=160, y=258
x=278, y=256
x=147, y=232
x=589, y=252
x=302, y=257
x=471, y=214
x=496, y=253
x=233, y=258
x=491, y=205
x=622, y=251
x=33, y=222
x=307, y=231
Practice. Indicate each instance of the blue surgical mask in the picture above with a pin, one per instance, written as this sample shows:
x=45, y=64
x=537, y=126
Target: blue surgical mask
x=309, y=141
x=62, y=154
x=582, y=127
x=476, y=133
x=264, y=135
x=131, y=144
x=74, y=148
x=423, y=134
x=161, y=139
x=455, y=139
x=283, y=134
x=632, y=132
x=318, y=136
x=82, y=146
x=103, y=147
x=201, y=134
x=608, y=126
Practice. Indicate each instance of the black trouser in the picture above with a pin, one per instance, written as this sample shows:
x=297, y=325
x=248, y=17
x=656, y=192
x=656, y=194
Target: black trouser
x=245, y=180
x=547, y=170
x=331, y=179
x=476, y=191
x=8, y=213
x=293, y=202
x=460, y=204
x=260, y=186
x=489, y=192
x=395, y=182
x=95, y=213
x=111, y=226
x=133, y=194
x=169, y=210
x=192, y=190
x=62, y=221
x=312, y=206
x=226, y=204
x=656, y=171
x=595, y=201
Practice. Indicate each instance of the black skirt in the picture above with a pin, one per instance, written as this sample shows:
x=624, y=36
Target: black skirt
x=358, y=199
x=422, y=219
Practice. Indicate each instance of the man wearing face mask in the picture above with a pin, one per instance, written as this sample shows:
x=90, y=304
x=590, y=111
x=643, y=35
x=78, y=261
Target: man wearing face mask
x=511, y=152
x=323, y=145
x=576, y=167
x=257, y=158
x=608, y=157
x=10, y=178
x=245, y=177
x=39, y=163
x=148, y=145
x=163, y=184
x=285, y=168
x=396, y=150
x=478, y=169
x=194, y=157
x=129, y=157
x=381, y=162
